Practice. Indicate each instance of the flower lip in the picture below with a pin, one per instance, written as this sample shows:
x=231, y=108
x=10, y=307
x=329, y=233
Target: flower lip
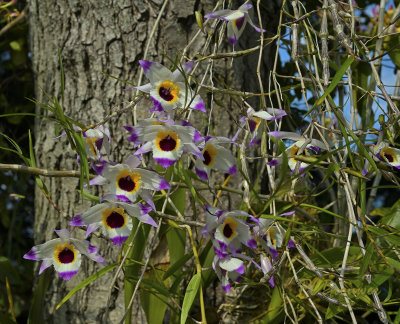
x=229, y=229
x=167, y=141
x=389, y=154
x=64, y=253
x=168, y=91
x=114, y=218
x=91, y=141
x=239, y=22
x=253, y=124
x=128, y=181
x=209, y=154
x=207, y=158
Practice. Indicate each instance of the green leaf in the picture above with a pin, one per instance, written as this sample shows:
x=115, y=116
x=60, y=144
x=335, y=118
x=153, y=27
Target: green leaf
x=274, y=307
x=7, y=270
x=381, y=233
x=176, y=238
x=391, y=44
x=392, y=215
x=397, y=318
x=136, y=254
x=154, y=299
x=178, y=265
x=361, y=148
x=361, y=72
x=332, y=311
x=338, y=76
x=334, y=256
x=31, y=154
x=61, y=75
x=190, y=295
x=365, y=262
x=87, y=281
x=383, y=275
x=37, y=305
x=394, y=263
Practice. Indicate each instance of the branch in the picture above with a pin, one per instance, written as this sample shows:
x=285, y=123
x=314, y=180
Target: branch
x=36, y=171
x=16, y=21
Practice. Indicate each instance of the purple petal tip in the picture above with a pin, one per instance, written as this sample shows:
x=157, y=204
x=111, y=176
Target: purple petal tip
x=67, y=275
x=31, y=255
x=226, y=288
x=164, y=184
x=233, y=41
x=145, y=209
x=145, y=65
x=93, y=249
x=232, y=170
x=190, y=65
x=165, y=163
x=200, y=106
x=202, y=174
x=76, y=221
x=272, y=163
x=291, y=244
x=252, y=244
x=240, y=269
x=157, y=105
x=271, y=282
x=118, y=240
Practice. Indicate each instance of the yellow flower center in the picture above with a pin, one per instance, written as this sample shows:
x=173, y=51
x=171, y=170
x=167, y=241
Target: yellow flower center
x=168, y=91
x=114, y=218
x=271, y=234
x=92, y=142
x=389, y=154
x=229, y=228
x=167, y=141
x=128, y=181
x=158, y=123
x=209, y=154
x=64, y=253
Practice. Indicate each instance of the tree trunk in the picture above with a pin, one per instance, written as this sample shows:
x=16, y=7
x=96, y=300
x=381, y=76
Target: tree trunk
x=110, y=37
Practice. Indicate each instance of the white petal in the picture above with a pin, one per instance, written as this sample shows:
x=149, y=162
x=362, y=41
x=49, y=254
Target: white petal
x=95, y=213
x=231, y=264
x=46, y=250
x=145, y=88
x=155, y=71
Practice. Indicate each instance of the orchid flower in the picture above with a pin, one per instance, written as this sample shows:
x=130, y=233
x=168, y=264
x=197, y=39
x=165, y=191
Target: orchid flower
x=236, y=19
x=254, y=119
x=97, y=141
x=113, y=219
x=137, y=131
x=64, y=253
x=387, y=154
x=266, y=267
x=229, y=231
x=292, y=150
x=215, y=157
x=228, y=269
x=168, y=142
x=127, y=181
x=168, y=89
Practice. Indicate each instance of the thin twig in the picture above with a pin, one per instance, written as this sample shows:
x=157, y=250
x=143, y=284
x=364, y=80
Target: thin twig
x=42, y=172
x=16, y=21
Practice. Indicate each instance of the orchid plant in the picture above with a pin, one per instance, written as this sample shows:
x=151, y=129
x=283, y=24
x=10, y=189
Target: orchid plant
x=244, y=242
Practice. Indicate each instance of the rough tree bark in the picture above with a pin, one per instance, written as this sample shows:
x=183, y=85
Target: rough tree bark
x=110, y=37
